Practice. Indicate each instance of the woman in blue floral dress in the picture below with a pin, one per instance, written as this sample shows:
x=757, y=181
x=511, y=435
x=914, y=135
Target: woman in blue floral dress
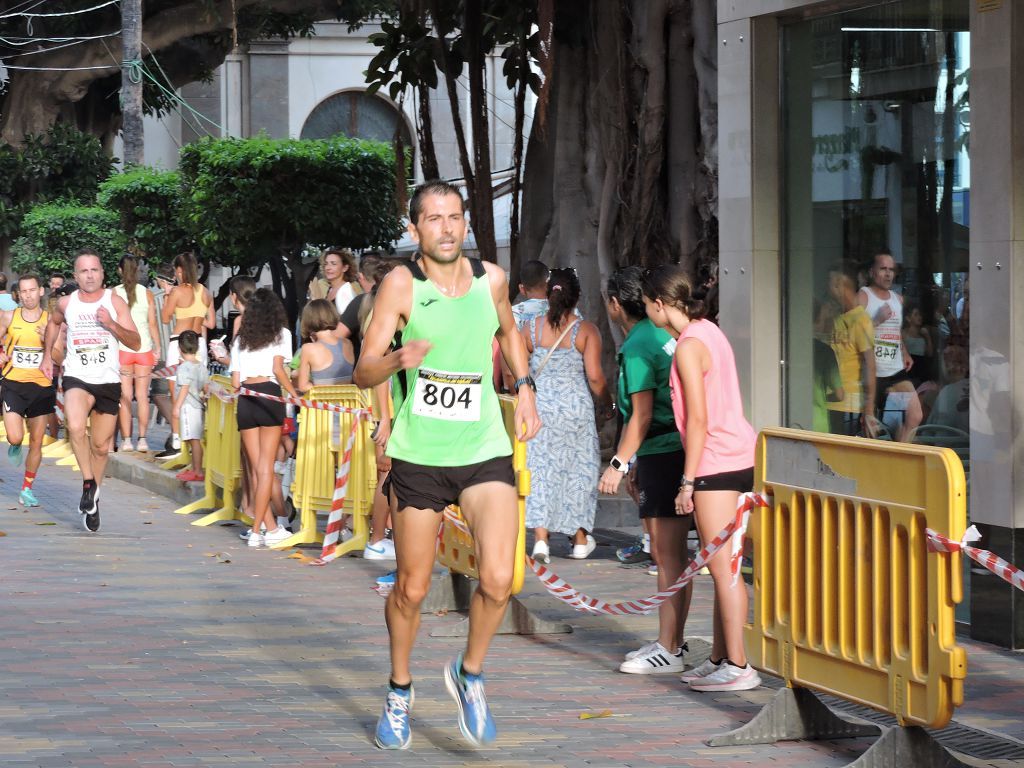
x=564, y=458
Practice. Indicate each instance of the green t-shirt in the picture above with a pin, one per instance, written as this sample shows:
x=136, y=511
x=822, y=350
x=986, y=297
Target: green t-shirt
x=645, y=361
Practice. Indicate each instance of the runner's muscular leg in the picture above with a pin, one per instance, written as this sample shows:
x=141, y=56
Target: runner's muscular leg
x=102, y=426
x=415, y=532
x=36, y=430
x=77, y=406
x=491, y=511
x=14, y=426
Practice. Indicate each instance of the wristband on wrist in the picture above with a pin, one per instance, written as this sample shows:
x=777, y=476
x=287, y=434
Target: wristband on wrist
x=619, y=465
x=685, y=482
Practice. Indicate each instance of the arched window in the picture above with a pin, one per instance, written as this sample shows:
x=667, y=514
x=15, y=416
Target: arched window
x=357, y=115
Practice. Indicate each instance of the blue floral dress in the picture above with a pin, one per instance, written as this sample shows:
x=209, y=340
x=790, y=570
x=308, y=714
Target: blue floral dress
x=564, y=458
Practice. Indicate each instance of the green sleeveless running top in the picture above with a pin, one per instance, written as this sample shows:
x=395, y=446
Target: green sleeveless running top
x=450, y=415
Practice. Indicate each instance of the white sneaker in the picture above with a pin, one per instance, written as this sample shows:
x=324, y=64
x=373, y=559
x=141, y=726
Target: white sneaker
x=276, y=536
x=728, y=677
x=256, y=540
x=282, y=522
x=656, y=660
x=382, y=550
x=142, y=446
x=244, y=535
x=541, y=552
x=702, y=670
x=126, y=446
x=582, y=551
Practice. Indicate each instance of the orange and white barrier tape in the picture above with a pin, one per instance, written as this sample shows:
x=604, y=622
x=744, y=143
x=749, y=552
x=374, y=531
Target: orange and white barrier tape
x=732, y=534
x=303, y=402
x=333, y=532
x=987, y=560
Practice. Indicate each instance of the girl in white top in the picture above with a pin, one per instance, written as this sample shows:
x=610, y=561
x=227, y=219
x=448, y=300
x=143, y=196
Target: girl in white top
x=136, y=367
x=258, y=356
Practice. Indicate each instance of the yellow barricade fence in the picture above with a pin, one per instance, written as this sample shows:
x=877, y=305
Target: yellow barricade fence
x=222, y=461
x=847, y=598
x=455, y=550
x=322, y=436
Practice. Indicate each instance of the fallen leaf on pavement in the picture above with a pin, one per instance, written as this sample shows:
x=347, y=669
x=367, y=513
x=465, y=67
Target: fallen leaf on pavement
x=302, y=558
x=595, y=715
x=47, y=522
x=2, y=533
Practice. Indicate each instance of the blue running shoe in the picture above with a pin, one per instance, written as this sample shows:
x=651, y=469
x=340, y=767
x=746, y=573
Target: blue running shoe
x=387, y=580
x=475, y=719
x=634, y=553
x=28, y=499
x=393, y=731
x=14, y=454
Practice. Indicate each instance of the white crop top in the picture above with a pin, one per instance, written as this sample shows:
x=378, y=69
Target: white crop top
x=250, y=363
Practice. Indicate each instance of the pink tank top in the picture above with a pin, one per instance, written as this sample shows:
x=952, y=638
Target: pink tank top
x=730, y=442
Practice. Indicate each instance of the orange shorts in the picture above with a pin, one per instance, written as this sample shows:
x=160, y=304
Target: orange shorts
x=128, y=358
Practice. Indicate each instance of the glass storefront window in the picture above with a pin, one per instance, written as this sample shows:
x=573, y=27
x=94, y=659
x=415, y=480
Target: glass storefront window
x=876, y=131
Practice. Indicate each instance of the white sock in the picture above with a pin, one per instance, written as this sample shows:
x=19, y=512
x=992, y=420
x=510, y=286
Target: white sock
x=647, y=543
x=175, y=441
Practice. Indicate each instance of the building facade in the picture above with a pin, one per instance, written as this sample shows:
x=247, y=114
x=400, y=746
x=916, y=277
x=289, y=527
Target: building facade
x=859, y=135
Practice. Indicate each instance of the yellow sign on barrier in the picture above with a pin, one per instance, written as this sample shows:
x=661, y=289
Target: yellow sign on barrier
x=322, y=437
x=456, y=550
x=847, y=598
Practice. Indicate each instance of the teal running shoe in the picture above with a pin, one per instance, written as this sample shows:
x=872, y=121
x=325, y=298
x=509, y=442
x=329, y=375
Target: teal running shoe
x=14, y=454
x=393, y=730
x=28, y=499
x=475, y=719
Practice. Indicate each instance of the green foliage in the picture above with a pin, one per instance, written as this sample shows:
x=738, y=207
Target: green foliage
x=54, y=232
x=149, y=204
x=63, y=164
x=248, y=199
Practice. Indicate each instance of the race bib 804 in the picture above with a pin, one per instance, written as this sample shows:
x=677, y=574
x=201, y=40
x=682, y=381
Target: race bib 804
x=448, y=396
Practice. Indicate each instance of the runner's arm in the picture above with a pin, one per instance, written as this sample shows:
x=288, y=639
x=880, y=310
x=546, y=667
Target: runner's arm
x=122, y=326
x=167, y=310
x=53, y=324
x=513, y=349
x=154, y=329
x=376, y=365
x=633, y=436
x=5, y=323
x=689, y=361
x=210, y=321
x=282, y=376
x=305, y=380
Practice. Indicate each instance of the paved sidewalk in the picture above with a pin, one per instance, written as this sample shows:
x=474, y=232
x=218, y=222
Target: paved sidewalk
x=156, y=643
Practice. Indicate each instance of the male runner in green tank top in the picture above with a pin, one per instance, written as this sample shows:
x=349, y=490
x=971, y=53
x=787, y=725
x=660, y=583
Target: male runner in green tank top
x=448, y=444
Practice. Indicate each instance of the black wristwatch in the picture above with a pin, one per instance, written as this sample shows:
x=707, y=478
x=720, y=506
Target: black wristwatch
x=524, y=380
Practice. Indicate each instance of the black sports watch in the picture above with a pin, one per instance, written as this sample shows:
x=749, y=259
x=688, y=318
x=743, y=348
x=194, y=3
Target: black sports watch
x=524, y=380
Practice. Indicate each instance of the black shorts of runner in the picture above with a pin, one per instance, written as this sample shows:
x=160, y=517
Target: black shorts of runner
x=416, y=485
x=107, y=396
x=29, y=400
x=257, y=411
x=657, y=482
x=741, y=481
x=882, y=384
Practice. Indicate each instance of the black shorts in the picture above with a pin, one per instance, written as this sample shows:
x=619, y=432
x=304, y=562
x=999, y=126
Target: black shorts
x=29, y=400
x=257, y=411
x=740, y=480
x=422, y=487
x=107, y=396
x=882, y=384
x=657, y=482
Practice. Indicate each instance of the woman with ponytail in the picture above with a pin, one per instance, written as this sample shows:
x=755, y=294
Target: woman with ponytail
x=564, y=458
x=136, y=366
x=719, y=464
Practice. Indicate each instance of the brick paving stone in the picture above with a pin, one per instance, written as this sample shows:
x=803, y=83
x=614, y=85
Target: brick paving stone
x=138, y=647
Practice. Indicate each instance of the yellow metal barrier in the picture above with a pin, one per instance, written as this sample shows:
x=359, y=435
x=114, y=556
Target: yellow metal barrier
x=847, y=599
x=322, y=437
x=456, y=550
x=222, y=462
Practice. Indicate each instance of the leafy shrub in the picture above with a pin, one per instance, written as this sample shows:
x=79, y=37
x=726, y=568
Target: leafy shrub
x=149, y=204
x=53, y=233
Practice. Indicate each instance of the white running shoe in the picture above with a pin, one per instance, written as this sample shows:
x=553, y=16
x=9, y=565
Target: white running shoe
x=256, y=540
x=142, y=446
x=126, y=446
x=728, y=677
x=582, y=551
x=276, y=536
x=641, y=650
x=541, y=552
x=656, y=661
x=382, y=550
x=702, y=670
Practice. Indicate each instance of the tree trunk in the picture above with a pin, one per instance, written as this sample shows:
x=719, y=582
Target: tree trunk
x=482, y=202
x=131, y=82
x=515, y=262
x=425, y=134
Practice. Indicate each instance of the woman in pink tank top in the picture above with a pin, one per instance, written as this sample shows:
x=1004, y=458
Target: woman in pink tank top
x=719, y=464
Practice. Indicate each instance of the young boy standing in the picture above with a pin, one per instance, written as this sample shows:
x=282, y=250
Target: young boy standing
x=192, y=379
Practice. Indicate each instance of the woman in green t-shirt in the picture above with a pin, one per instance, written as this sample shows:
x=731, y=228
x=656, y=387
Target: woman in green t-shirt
x=650, y=454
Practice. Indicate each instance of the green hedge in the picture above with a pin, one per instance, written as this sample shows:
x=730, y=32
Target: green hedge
x=54, y=232
x=149, y=204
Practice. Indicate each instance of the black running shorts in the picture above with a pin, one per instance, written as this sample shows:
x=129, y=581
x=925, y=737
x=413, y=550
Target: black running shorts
x=107, y=396
x=29, y=400
x=657, y=482
x=741, y=481
x=422, y=487
x=256, y=412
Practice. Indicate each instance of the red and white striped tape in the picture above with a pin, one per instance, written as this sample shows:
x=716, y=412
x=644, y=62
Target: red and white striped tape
x=988, y=560
x=732, y=533
x=302, y=402
x=333, y=532
x=59, y=407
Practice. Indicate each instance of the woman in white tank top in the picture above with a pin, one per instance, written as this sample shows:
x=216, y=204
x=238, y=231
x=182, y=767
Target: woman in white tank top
x=136, y=367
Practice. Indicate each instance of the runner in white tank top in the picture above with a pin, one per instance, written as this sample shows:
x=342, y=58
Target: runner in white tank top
x=895, y=396
x=97, y=320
